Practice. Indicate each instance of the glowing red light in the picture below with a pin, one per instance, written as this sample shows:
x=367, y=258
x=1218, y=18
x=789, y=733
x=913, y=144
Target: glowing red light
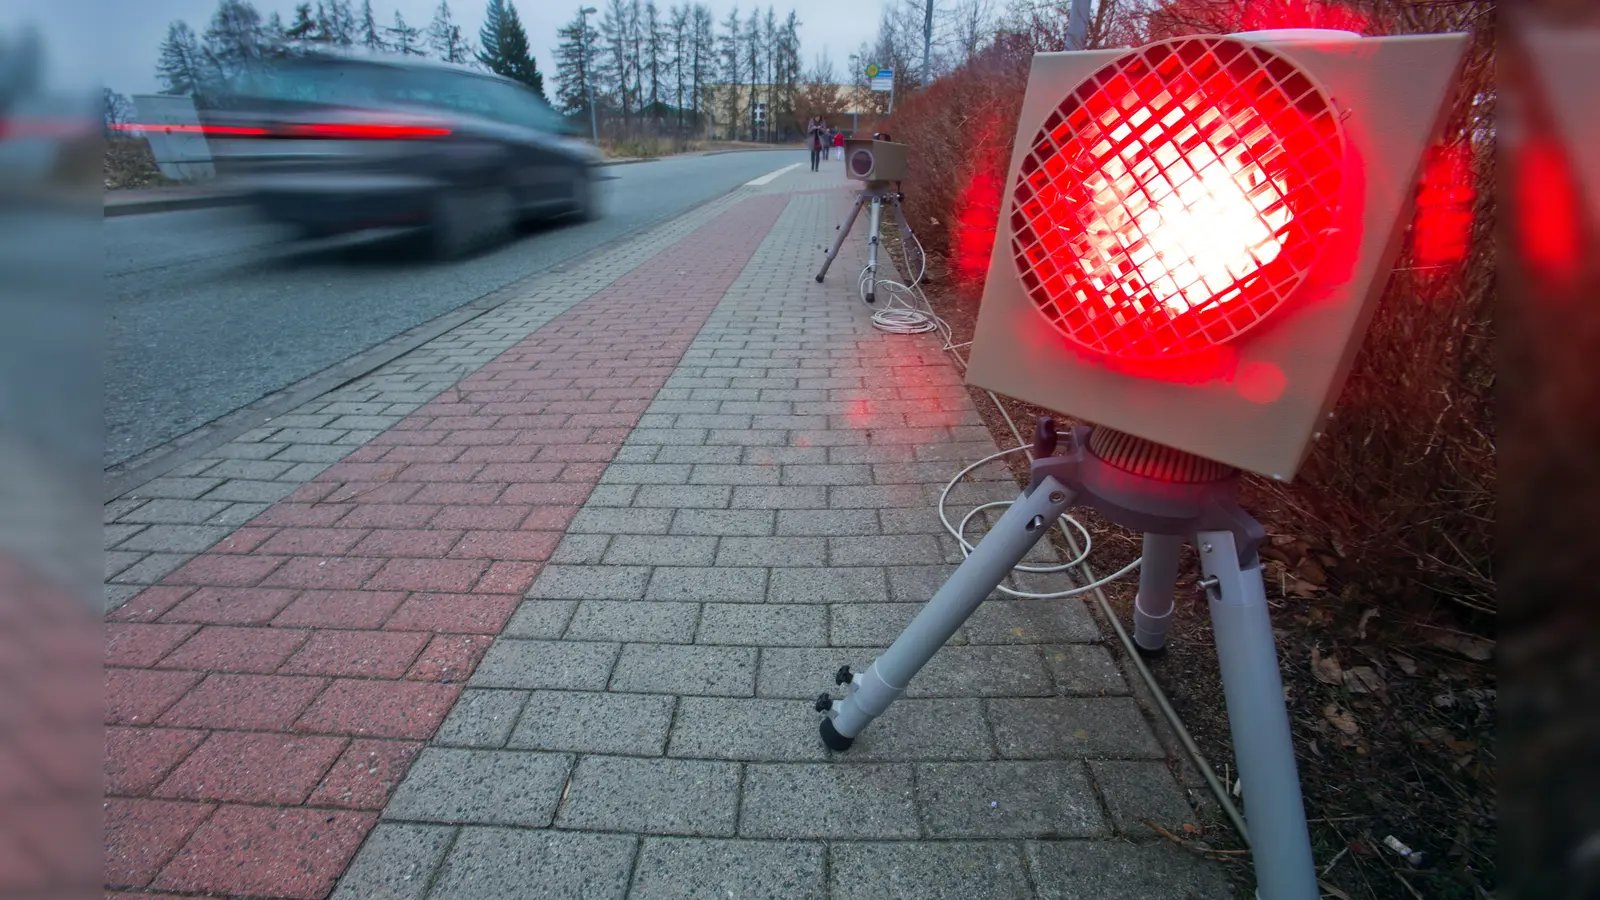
x=1177, y=197
x=1443, y=226
x=1548, y=216
x=365, y=131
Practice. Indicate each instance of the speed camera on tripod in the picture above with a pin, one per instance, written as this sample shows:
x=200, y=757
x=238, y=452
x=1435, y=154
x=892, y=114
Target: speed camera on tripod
x=872, y=159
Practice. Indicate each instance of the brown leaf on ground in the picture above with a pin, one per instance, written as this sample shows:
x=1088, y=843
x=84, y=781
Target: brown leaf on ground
x=1341, y=718
x=1406, y=663
x=1326, y=668
x=1363, y=680
x=1479, y=649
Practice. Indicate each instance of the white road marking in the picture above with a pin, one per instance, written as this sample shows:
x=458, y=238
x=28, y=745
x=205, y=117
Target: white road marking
x=770, y=176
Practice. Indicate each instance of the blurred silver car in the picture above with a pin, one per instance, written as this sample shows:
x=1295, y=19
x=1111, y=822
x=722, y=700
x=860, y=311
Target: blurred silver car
x=333, y=143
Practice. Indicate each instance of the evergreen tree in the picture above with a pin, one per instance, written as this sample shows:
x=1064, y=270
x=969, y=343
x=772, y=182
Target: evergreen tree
x=575, y=65
x=180, y=67
x=370, y=38
x=504, y=46
x=732, y=68
x=444, y=36
x=233, y=40
x=403, y=38
x=654, y=62
x=678, y=39
x=616, y=71
x=273, y=33
x=703, y=50
x=753, y=55
x=304, y=27
x=341, y=23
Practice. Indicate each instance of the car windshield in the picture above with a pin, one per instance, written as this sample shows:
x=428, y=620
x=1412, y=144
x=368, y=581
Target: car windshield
x=364, y=86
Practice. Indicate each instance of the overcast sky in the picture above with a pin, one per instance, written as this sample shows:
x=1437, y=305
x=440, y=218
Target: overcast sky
x=117, y=41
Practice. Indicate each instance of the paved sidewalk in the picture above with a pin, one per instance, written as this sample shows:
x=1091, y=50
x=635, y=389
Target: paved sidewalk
x=543, y=615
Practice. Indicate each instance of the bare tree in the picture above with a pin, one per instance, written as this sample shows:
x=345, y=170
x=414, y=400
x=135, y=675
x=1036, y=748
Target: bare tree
x=731, y=48
x=703, y=50
x=678, y=37
x=654, y=61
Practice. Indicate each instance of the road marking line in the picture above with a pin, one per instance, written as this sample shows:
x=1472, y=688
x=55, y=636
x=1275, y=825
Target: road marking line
x=770, y=176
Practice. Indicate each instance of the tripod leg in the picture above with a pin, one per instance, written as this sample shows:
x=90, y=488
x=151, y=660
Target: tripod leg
x=1259, y=721
x=844, y=232
x=909, y=248
x=1158, y=578
x=875, y=222
x=871, y=692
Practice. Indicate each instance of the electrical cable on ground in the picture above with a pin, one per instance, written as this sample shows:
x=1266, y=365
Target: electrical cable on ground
x=916, y=316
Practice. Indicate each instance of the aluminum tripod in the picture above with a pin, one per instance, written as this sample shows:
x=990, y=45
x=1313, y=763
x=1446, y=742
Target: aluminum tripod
x=1170, y=496
x=873, y=196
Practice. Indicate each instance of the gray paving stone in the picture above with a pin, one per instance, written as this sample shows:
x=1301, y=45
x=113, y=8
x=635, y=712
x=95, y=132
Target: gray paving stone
x=573, y=665
x=1027, y=728
x=396, y=862
x=148, y=570
x=1135, y=790
x=174, y=512
x=929, y=871
x=784, y=456
x=686, y=670
x=957, y=671
x=481, y=719
x=594, y=722
x=248, y=469
x=752, y=522
x=237, y=450
x=1008, y=800
x=684, y=496
x=868, y=455
x=310, y=453
x=744, y=729
x=112, y=535
x=801, y=673
x=482, y=787
x=883, y=550
x=837, y=586
x=810, y=801
x=175, y=538
x=241, y=491
x=175, y=488
x=763, y=625
x=771, y=551
x=668, y=437
x=873, y=624
x=611, y=495
x=1084, y=670
x=779, y=497
x=1032, y=622
x=660, y=550
x=1106, y=870
x=581, y=549
x=678, y=453
x=591, y=583
x=508, y=864
x=238, y=514
x=826, y=522
x=637, y=453
x=924, y=730
x=918, y=520
x=876, y=496
x=540, y=619
x=653, y=796
x=747, y=870
x=630, y=620
x=707, y=584
x=620, y=520
x=645, y=473
x=713, y=473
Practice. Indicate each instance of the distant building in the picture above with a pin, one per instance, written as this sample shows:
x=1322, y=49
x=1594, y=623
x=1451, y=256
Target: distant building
x=837, y=105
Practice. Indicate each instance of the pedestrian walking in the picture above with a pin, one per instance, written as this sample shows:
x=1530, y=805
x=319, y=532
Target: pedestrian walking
x=815, y=136
x=838, y=143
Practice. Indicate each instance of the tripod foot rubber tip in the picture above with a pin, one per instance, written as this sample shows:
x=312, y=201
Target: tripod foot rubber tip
x=1157, y=653
x=835, y=741
x=819, y=279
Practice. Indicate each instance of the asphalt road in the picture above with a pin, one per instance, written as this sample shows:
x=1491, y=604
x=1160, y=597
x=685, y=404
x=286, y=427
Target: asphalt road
x=210, y=311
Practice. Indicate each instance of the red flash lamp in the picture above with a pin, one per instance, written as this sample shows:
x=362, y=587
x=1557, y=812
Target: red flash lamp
x=1195, y=232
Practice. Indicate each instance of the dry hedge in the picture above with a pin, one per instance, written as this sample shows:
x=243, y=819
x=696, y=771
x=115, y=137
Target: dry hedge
x=1402, y=488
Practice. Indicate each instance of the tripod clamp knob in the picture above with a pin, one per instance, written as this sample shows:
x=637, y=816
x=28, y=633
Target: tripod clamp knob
x=1044, y=438
x=824, y=703
x=844, y=675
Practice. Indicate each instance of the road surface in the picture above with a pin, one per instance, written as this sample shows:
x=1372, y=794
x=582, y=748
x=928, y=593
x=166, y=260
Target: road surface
x=210, y=311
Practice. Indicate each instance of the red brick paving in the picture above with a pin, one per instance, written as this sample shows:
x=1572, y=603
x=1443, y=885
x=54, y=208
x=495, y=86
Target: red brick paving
x=273, y=691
